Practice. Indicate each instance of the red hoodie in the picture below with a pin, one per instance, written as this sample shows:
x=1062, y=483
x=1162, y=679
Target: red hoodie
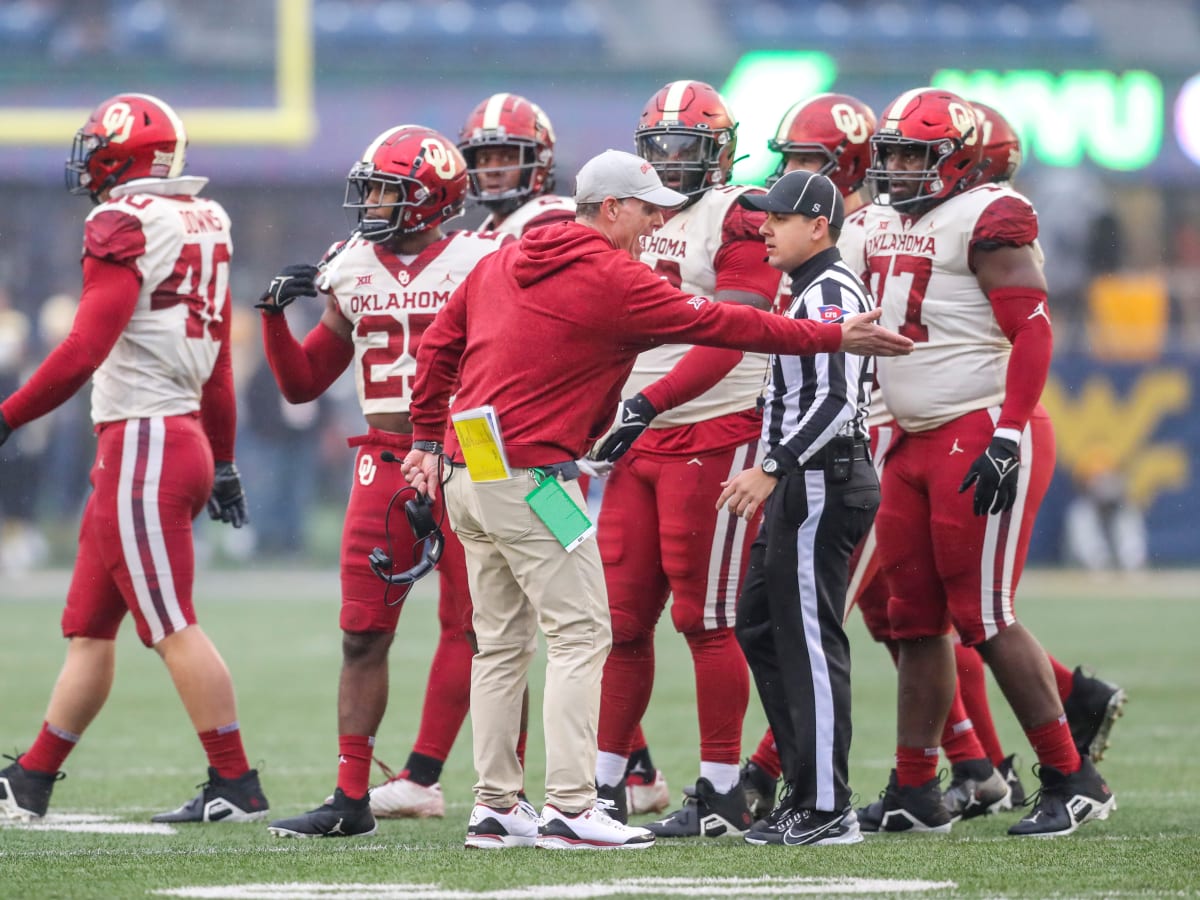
x=547, y=329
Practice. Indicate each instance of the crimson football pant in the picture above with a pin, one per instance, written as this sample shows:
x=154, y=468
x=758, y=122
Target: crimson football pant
x=789, y=623
x=151, y=478
x=661, y=535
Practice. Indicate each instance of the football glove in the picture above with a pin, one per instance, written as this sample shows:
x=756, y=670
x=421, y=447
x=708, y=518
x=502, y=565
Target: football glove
x=292, y=282
x=228, y=501
x=5, y=430
x=635, y=416
x=994, y=475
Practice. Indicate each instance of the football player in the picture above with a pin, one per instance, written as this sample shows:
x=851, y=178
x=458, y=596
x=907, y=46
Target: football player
x=695, y=411
x=507, y=143
x=383, y=286
x=152, y=333
x=974, y=455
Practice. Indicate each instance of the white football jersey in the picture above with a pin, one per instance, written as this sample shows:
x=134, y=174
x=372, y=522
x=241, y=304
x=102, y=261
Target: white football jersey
x=852, y=244
x=921, y=275
x=180, y=245
x=520, y=219
x=390, y=303
x=683, y=251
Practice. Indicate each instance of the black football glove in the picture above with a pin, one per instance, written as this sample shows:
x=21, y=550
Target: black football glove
x=228, y=500
x=636, y=414
x=292, y=282
x=5, y=430
x=994, y=475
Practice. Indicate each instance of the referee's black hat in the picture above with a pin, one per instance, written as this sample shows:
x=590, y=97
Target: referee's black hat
x=800, y=193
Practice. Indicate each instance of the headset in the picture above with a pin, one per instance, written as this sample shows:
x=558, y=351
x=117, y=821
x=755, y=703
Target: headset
x=426, y=531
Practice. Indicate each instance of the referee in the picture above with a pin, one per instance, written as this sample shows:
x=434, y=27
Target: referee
x=821, y=493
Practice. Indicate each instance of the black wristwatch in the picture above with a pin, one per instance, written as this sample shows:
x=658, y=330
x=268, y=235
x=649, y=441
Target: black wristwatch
x=770, y=465
x=428, y=446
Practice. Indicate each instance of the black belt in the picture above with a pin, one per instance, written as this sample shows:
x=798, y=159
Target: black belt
x=859, y=452
x=567, y=471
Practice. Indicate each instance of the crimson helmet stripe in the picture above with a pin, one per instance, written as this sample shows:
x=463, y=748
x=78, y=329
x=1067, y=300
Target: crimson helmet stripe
x=177, y=125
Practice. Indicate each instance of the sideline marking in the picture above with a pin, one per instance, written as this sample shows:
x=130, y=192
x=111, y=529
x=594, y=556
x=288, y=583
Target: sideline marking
x=636, y=887
x=92, y=824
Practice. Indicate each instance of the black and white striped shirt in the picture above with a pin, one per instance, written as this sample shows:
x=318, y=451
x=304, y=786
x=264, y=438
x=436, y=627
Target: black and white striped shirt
x=810, y=399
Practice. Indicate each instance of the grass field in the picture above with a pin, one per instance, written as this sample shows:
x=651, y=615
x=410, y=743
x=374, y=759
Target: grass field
x=278, y=632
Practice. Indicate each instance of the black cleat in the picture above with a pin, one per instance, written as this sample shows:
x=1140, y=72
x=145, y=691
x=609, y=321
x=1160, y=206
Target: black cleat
x=760, y=789
x=907, y=809
x=808, y=827
x=1092, y=707
x=976, y=789
x=25, y=794
x=1066, y=801
x=338, y=817
x=220, y=800
x=1008, y=769
x=615, y=798
x=707, y=813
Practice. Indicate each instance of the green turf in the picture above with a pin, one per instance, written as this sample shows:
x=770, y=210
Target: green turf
x=278, y=633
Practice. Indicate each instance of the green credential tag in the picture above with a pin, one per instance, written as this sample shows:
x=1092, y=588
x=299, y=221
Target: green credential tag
x=567, y=522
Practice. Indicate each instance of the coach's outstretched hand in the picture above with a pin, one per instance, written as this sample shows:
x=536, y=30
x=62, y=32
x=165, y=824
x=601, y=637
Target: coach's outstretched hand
x=863, y=337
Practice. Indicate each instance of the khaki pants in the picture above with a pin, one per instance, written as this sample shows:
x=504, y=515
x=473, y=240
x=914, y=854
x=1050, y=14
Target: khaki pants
x=522, y=579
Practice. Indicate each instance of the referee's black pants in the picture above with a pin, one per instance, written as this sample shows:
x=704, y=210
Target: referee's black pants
x=789, y=624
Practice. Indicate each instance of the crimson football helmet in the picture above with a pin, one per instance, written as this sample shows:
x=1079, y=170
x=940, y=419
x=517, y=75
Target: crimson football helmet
x=945, y=129
x=126, y=137
x=1001, y=146
x=509, y=120
x=414, y=174
x=837, y=127
x=689, y=135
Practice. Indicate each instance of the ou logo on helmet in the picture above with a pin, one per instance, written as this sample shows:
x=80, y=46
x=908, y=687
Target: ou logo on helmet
x=443, y=160
x=850, y=122
x=965, y=121
x=118, y=122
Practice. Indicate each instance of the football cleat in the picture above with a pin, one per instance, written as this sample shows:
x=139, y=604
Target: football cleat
x=1092, y=708
x=1065, y=802
x=760, y=789
x=220, y=799
x=402, y=798
x=646, y=793
x=976, y=789
x=592, y=829
x=706, y=813
x=1008, y=768
x=340, y=816
x=809, y=827
x=25, y=794
x=615, y=799
x=498, y=829
x=917, y=809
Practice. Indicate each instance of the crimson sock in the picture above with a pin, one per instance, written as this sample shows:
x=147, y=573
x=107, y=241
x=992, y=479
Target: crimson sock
x=958, y=736
x=625, y=693
x=447, y=695
x=638, y=742
x=722, y=693
x=225, y=752
x=1063, y=677
x=973, y=686
x=50, y=749
x=354, y=764
x=1054, y=747
x=915, y=765
x=766, y=756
